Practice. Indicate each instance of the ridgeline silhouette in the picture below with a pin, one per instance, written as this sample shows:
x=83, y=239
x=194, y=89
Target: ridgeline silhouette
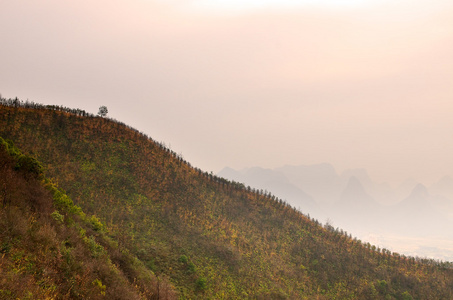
x=173, y=231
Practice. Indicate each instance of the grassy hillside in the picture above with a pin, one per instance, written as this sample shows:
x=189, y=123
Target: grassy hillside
x=209, y=237
x=50, y=249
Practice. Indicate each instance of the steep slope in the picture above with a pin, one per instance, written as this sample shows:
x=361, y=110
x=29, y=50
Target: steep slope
x=382, y=193
x=361, y=175
x=354, y=197
x=49, y=249
x=211, y=237
x=356, y=208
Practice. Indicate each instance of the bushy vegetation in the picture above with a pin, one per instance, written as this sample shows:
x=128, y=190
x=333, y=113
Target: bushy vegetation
x=49, y=249
x=206, y=236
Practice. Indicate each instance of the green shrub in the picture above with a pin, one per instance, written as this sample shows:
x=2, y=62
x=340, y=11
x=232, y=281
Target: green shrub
x=96, y=249
x=96, y=223
x=191, y=267
x=102, y=287
x=406, y=296
x=57, y=217
x=29, y=164
x=201, y=283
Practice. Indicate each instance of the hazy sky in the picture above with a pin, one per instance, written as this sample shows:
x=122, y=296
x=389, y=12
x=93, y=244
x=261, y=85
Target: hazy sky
x=250, y=83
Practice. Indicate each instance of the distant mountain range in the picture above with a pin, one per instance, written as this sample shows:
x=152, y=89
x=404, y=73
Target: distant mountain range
x=353, y=201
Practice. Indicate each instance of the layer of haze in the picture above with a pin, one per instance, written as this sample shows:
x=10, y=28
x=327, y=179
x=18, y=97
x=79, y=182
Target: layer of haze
x=367, y=85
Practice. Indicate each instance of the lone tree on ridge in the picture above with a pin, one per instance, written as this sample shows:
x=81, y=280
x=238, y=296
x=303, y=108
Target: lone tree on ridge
x=103, y=111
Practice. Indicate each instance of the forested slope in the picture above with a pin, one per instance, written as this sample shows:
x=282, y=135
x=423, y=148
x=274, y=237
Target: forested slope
x=210, y=237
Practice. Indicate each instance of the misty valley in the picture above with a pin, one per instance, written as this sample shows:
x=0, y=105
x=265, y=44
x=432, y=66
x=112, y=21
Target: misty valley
x=410, y=218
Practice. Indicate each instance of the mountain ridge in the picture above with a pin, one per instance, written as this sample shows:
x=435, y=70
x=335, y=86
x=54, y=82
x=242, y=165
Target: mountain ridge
x=211, y=237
